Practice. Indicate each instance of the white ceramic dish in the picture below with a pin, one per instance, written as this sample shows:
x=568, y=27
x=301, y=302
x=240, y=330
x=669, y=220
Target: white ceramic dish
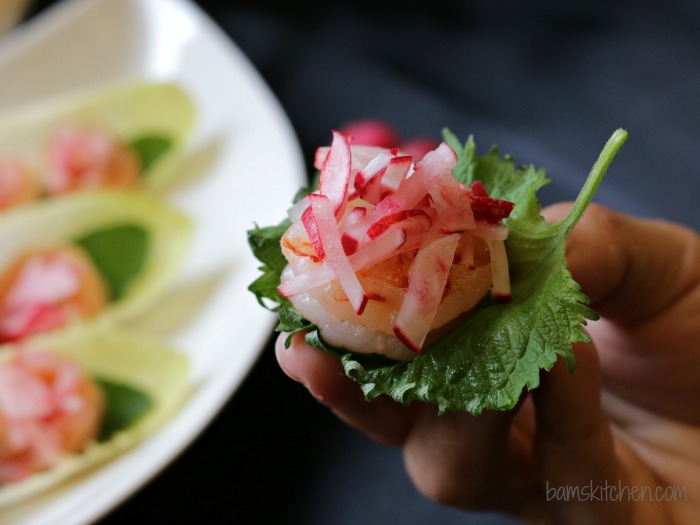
x=244, y=166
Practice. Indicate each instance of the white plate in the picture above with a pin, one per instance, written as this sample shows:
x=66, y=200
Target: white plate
x=248, y=164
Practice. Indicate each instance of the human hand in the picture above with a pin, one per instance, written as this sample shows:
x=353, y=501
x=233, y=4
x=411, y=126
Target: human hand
x=615, y=442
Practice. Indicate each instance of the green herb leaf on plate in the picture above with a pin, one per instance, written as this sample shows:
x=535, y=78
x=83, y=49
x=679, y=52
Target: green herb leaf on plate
x=119, y=253
x=124, y=405
x=150, y=149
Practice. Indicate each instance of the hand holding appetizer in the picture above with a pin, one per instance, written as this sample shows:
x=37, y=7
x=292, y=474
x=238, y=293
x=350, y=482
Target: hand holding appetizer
x=627, y=416
x=432, y=279
x=626, y=419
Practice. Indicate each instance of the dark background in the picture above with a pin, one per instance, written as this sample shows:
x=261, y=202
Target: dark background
x=548, y=83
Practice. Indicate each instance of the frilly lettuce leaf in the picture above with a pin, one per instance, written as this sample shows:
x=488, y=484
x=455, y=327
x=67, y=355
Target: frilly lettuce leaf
x=499, y=350
x=76, y=217
x=144, y=366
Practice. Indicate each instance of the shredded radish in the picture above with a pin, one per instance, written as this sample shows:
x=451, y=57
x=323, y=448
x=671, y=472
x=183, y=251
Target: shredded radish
x=499, y=271
x=374, y=252
x=46, y=289
x=323, y=232
x=392, y=233
x=336, y=173
x=374, y=170
x=361, y=155
x=399, y=168
x=426, y=282
x=44, y=280
x=88, y=158
x=48, y=408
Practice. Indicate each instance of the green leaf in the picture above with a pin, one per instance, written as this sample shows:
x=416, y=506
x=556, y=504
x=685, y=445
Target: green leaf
x=124, y=406
x=119, y=253
x=500, y=349
x=150, y=149
x=265, y=244
x=466, y=157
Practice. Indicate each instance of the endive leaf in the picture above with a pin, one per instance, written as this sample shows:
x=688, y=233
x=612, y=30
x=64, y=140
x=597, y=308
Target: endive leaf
x=155, y=117
x=151, y=368
x=82, y=216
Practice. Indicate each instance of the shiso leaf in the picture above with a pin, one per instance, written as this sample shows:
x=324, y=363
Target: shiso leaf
x=119, y=252
x=124, y=405
x=150, y=149
x=500, y=349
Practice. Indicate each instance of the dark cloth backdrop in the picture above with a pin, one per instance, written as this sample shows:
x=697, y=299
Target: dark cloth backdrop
x=547, y=81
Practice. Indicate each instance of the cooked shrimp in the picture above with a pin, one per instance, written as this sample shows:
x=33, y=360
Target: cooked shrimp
x=384, y=270
x=49, y=408
x=17, y=183
x=84, y=159
x=47, y=289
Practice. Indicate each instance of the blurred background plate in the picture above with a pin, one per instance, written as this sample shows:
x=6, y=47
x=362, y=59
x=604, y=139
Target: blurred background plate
x=244, y=164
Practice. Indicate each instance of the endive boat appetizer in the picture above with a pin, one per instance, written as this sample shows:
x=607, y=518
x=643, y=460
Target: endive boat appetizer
x=89, y=254
x=125, y=136
x=72, y=400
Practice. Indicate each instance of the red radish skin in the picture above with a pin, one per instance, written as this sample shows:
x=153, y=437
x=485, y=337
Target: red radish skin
x=418, y=147
x=336, y=173
x=491, y=210
x=379, y=227
x=327, y=236
x=309, y=221
x=371, y=132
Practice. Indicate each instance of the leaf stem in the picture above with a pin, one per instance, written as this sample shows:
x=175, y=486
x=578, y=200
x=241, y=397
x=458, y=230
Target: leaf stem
x=612, y=146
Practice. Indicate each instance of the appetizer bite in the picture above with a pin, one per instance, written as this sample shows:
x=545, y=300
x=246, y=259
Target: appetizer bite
x=49, y=408
x=80, y=159
x=47, y=289
x=388, y=250
x=433, y=278
x=72, y=400
x=125, y=137
x=86, y=256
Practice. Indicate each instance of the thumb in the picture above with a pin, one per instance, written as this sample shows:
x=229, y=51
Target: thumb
x=632, y=269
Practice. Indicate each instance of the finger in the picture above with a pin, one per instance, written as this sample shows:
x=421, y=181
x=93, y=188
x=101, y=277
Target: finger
x=643, y=277
x=574, y=445
x=323, y=375
x=457, y=459
x=631, y=268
